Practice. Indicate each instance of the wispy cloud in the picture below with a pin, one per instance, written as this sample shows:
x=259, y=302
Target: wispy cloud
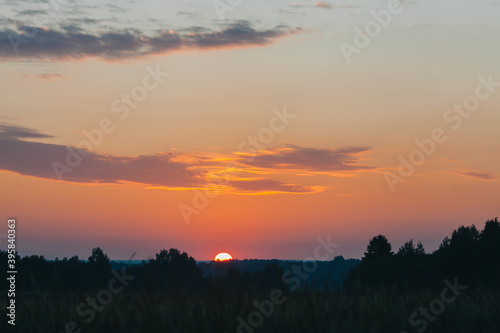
x=269, y=186
x=30, y=12
x=318, y=4
x=310, y=159
x=169, y=170
x=18, y=132
x=35, y=159
x=75, y=43
x=322, y=4
x=49, y=76
x=479, y=175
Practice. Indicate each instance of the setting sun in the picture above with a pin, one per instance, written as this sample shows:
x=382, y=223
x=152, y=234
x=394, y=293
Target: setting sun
x=223, y=257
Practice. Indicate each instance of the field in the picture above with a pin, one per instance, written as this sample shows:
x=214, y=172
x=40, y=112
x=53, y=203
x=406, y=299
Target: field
x=302, y=311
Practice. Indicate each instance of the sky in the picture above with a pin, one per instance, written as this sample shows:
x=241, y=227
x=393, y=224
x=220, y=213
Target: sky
x=247, y=127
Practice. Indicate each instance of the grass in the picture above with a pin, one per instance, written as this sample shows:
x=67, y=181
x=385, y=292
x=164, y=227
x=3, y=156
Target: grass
x=303, y=311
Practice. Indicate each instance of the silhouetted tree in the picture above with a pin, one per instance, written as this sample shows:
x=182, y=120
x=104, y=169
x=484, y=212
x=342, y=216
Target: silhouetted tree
x=490, y=245
x=464, y=236
x=99, y=268
x=378, y=247
x=471, y=254
x=490, y=236
x=444, y=243
x=409, y=249
x=461, y=251
x=174, y=270
x=99, y=258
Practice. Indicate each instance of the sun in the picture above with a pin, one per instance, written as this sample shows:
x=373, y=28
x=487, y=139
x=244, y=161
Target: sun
x=223, y=256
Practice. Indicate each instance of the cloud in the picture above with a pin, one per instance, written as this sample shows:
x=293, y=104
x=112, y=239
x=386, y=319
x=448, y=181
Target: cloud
x=310, y=159
x=88, y=21
x=318, y=4
x=195, y=30
x=38, y=159
x=271, y=186
x=321, y=4
x=17, y=132
x=480, y=175
x=31, y=12
x=115, y=8
x=169, y=170
x=285, y=11
x=49, y=76
x=48, y=44
x=189, y=14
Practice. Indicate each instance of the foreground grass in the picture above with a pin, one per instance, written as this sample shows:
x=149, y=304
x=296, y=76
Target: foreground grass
x=302, y=311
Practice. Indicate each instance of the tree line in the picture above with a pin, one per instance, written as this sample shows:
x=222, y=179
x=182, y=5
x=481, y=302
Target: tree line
x=471, y=254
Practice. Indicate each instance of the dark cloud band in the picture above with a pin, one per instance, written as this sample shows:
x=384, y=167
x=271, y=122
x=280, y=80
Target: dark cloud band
x=311, y=159
x=169, y=170
x=72, y=42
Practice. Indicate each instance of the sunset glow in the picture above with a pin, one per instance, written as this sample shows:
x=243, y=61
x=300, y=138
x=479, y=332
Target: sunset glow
x=223, y=257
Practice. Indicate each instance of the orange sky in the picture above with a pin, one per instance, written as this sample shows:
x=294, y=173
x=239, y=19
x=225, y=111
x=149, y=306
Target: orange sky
x=301, y=140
